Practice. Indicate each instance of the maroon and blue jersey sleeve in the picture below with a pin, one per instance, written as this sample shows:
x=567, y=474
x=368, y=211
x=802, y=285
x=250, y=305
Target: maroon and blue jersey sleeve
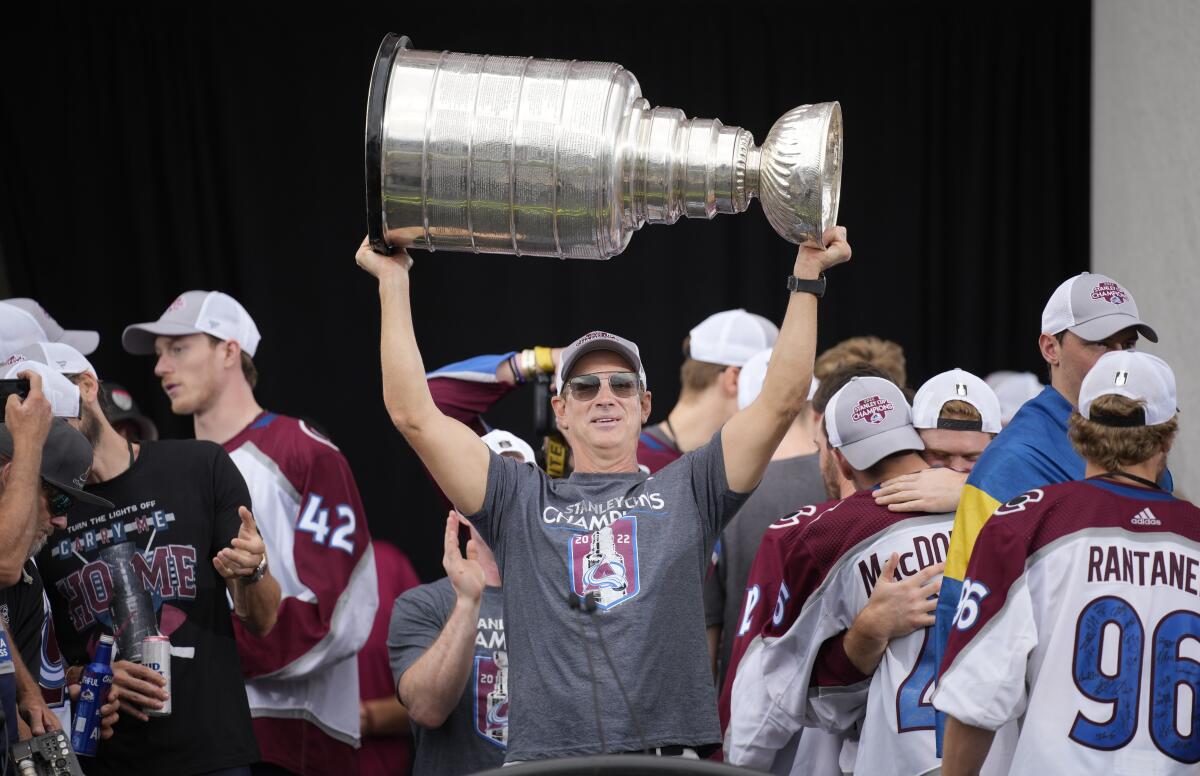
x=466, y=389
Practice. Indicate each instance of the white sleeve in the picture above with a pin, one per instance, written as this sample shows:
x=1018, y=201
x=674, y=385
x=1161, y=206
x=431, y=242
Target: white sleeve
x=985, y=684
x=770, y=698
x=353, y=619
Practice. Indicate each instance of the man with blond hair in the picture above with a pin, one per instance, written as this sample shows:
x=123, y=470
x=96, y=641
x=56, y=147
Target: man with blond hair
x=301, y=679
x=1078, y=615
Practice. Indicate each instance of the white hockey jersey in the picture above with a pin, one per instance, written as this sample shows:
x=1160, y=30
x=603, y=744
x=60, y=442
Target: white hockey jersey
x=803, y=678
x=308, y=510
x=1080, y=616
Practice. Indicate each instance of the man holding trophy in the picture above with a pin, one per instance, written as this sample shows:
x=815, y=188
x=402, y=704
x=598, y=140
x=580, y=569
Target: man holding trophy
x=603, y=569
x=663, y=528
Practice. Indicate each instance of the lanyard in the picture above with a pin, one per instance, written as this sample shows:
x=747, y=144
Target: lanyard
x=1128, y=476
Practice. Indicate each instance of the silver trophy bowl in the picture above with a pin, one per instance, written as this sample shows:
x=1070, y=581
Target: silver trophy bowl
x=547, y=157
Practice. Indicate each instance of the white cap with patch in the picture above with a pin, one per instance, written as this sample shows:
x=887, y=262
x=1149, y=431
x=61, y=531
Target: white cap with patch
x=506, y=443
x=956, y=385
x=731, y=337
x=24, y=322
x=868, y=419
x=1094, y=307
x=196, y=312
x=1135, y=375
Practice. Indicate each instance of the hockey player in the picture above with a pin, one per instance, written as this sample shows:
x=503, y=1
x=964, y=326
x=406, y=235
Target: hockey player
x=809, y=676
x=768, y=609
x=302, y=679
x=1079, y=614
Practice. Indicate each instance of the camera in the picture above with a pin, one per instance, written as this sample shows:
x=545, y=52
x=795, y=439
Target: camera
x=46, y=755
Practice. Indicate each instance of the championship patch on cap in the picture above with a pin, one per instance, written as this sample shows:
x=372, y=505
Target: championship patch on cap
x=1093, y=307
x=179, y=303
x=868, y=419
x=122, y=399
x=1110, y=292
x=873, y=409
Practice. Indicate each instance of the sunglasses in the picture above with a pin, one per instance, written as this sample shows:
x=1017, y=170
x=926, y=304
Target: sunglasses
x=60, y=502
x=587, y=387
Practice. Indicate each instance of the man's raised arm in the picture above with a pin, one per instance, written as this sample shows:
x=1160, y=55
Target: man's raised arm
x=454, y=455
x=751, y=436
x=28, y=422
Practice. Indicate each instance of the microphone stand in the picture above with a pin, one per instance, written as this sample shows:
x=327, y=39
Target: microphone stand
x=589, y=605
x=573, y=602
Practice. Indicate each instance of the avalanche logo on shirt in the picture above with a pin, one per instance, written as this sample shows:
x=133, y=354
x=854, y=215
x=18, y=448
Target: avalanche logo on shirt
x=604, y=563
x=491, y=698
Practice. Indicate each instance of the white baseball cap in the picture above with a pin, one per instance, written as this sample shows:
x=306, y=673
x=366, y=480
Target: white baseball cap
x=731, y=337
x=868, y=419
x=24, y=322
x=196, y=312
x=1094, y=307
x=505, y=442
x=597, y=340
x=60, y=357
x=754, y=372
x=1135, y=375
x=1013, y=389
x=956, y=385
x=62, y=394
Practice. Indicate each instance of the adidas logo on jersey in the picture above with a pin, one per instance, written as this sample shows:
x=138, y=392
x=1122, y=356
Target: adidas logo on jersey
x=1145, y=517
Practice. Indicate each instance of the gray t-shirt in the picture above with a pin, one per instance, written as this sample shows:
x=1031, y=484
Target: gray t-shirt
x=474, y=736
x=787, y=485
x=640, y=543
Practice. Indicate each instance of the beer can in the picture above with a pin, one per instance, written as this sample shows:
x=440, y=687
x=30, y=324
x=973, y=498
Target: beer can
x=156, y=654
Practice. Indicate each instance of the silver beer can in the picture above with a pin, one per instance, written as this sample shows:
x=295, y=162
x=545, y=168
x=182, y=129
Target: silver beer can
x=156, y=654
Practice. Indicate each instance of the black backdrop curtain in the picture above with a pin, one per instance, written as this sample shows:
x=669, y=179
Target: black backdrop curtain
x=146, y=153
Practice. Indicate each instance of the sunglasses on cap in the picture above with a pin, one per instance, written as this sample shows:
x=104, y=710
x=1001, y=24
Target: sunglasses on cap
x=60, y=501
x=587, y=387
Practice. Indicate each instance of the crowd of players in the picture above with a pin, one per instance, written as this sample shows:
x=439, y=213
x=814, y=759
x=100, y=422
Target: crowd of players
x=796, y=570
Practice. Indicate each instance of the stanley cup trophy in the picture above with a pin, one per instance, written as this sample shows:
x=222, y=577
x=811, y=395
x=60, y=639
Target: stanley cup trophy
x=554, y=158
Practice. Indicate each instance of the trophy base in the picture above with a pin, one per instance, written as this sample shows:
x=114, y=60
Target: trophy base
x=373, y=158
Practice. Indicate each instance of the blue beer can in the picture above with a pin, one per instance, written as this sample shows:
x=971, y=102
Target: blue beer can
x=93, y=692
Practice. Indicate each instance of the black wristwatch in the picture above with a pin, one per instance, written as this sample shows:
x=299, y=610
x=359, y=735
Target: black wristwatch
x=259, y=571
x=814, y=287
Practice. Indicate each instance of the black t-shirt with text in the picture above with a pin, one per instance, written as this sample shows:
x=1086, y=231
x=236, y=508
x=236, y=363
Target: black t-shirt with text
x=22, y=611
x=178, y=504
